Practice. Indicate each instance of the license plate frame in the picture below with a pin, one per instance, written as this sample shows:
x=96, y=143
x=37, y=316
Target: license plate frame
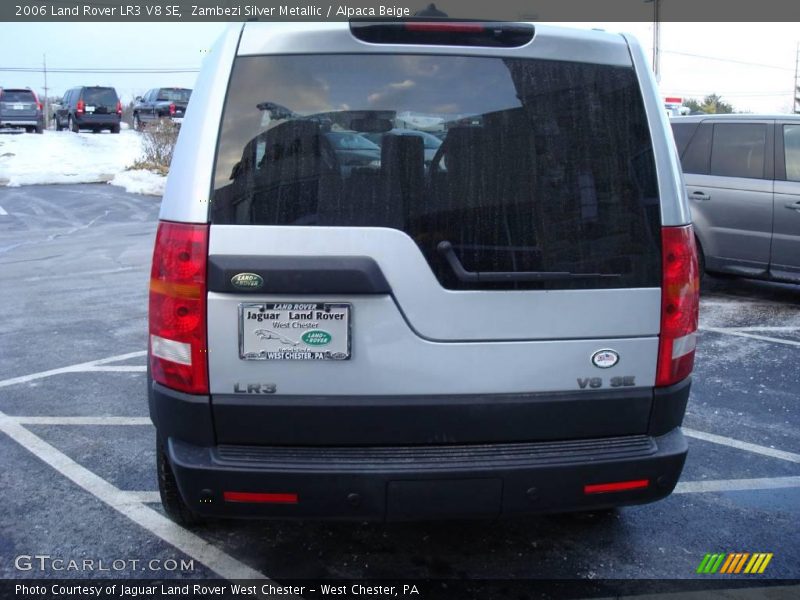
x=277, y=331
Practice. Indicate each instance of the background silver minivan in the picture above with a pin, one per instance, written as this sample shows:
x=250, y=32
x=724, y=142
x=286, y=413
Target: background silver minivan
x=360, y=331
x=743, y=178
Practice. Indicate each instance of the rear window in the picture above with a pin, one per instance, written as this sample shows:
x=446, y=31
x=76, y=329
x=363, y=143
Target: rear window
x=100, y=96
x=174, y=94
x=350, y=141
x=17, y=96
x=520, y=166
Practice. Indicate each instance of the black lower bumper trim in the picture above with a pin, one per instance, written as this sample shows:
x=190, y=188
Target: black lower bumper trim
x=423, y=482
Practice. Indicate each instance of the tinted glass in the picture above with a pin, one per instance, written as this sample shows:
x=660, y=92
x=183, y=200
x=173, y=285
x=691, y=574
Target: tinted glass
x=100, y=96
x=174, y=94
x=429, y=141
x=791, y=146
x=17, y=96
x=697, y=154
x=683, y=132
x=738, y=150
x=544, y=165
x=342, y=140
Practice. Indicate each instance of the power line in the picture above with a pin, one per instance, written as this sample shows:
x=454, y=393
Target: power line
x=117, y=71
x=728, y=60
x=733, y=94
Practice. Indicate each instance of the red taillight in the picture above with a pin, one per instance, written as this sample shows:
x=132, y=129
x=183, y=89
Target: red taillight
x=178, y=347
x=80, y=106
x=171, y=109
x=119, y=107
x=680, y=299
x=617, y=486
x=260, y=498
x=36, y=99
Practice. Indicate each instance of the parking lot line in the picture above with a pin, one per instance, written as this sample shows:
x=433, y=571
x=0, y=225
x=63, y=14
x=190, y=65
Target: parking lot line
x=733, y=443
x=144, y=497
x=117, y=369
x=130, y=506
x=80, y=420
x=118, y=357
x=758, y=328
x=3, y=213
x=754, y=336
x=683, y=487
x=87, y=366
x=736, y=485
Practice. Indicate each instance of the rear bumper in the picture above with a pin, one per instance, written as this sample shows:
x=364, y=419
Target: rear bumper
x=21, y=121
x=421, y=458
x=102, y=120
x=424, y=482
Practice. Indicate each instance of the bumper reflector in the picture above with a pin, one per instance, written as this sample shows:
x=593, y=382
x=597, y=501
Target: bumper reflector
x=617, y=486
x=260, y=498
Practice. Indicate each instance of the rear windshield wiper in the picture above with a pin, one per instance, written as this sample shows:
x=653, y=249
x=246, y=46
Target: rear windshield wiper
x=446, y=250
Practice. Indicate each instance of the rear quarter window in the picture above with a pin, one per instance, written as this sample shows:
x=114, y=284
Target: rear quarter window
x=521, y=165
x=695, y=158
x=791, y=145
x=683, y=132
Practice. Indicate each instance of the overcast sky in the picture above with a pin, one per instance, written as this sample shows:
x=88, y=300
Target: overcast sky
x=751, y=65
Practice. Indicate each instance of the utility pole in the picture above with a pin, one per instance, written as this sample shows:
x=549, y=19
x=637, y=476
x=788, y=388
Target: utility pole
x=657, y=39
x=46, y=102
x=796, y=86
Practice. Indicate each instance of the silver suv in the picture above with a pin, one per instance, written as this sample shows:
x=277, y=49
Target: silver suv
x=743, y=178
x=505, y=327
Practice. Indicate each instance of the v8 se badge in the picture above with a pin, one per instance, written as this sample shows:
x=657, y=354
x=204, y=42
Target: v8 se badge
x=597, y=382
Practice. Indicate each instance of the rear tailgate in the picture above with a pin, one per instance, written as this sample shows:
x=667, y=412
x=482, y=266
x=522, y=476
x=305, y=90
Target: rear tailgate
x=414, y=336
x=528, y=245
x=19, y=104
x=100, y=101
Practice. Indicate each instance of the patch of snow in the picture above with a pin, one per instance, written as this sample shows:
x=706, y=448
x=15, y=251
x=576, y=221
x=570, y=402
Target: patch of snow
x=66, y=157
x=140, y=181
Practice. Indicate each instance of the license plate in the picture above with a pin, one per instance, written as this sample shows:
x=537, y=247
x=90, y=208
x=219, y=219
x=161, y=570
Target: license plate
x=90, y=109
x=294, y=331
x=177, y=120
x=18, y=106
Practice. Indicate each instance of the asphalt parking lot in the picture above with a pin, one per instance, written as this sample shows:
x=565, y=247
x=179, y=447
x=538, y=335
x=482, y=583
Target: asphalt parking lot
x=78, y=478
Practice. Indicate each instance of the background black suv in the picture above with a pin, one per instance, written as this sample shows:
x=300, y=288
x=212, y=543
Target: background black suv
x=92, y=108
x=160, y=103
x=21, y=108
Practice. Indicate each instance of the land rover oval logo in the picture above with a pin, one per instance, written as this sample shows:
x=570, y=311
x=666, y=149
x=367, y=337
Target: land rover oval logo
x=605, y=359
x=316, y=338
x=247, y=281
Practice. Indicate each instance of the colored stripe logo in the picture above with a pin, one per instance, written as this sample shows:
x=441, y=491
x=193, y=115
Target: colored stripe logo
x=735, y=563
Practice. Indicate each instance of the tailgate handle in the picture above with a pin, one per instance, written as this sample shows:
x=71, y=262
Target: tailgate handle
x=445, y=248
